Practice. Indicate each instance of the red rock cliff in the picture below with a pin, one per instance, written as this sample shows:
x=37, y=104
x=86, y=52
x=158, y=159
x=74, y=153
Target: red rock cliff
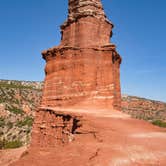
x=84, y=69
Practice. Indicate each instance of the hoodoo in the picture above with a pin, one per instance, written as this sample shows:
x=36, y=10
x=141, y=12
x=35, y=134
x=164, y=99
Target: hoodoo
x=82, y=72
x=77, y=123
x=84, y=69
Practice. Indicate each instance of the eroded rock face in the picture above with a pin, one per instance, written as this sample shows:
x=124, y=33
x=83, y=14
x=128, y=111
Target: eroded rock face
x=104, y=138
x=84, y=68
x=81, y=8
x=52, y=128
x=82, y=72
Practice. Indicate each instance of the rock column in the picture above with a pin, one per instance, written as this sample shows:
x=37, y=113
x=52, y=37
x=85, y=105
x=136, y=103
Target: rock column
x=84, y=68
x=82, y=72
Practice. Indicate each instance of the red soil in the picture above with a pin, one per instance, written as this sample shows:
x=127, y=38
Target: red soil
x=107, y=138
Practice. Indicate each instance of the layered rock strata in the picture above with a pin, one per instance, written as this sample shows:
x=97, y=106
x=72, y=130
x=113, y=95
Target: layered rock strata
x=82, y=72
x=84, y=68
x=54, y=128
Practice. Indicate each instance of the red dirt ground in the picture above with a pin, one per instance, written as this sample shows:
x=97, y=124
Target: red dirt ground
x=112, y=138
x=9, y=156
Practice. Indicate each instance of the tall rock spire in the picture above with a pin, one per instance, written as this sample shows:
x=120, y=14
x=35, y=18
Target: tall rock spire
x=82, y=72
x=79, y=8
x=86, y=40
x=86, y=25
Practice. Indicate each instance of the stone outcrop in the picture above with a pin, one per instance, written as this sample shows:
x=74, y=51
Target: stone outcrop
x=84, y=68
x=56, y=128
x=82, y=72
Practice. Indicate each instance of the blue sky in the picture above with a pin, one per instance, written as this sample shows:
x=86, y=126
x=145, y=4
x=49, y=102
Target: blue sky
x=29, y=26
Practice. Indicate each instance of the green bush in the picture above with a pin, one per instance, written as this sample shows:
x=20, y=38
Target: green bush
x=4, y=144
x=1, y=133
x=2, y=122
x=28, y=121
x=15, y=85
x=9, y=125
x=159, y=123
x=13, y=144
x=2, y=100
x=16, y=110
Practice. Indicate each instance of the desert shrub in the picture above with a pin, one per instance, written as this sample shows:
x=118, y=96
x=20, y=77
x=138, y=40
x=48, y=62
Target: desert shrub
x=1, y=133
x=2, y=100
x=28, y=121
x=11, y=144
x=9, y=125
x=17, y=101
x=15, y=85
x=159, y=123
x=2, y=143
x=16, y=110
x=28, y=131
x=2, y=122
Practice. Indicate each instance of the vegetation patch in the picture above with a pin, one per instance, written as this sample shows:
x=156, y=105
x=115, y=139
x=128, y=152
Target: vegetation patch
x=9, y=125
x=2, y=100
x=159, y=123
x=2, y=122
x=15, y=85
x=28, y=121
x=4, y=144
x=16, y=110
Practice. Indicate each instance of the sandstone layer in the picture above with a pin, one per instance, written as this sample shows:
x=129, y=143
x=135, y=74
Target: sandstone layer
x=16, y=125
x=84, y=69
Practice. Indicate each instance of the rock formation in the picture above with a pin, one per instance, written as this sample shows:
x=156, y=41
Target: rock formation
x=84, y=69
x=82, y=72
x=80, y=95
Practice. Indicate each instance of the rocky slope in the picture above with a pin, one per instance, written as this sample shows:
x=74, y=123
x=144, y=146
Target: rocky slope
x=18, y=100
x=141, y=108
